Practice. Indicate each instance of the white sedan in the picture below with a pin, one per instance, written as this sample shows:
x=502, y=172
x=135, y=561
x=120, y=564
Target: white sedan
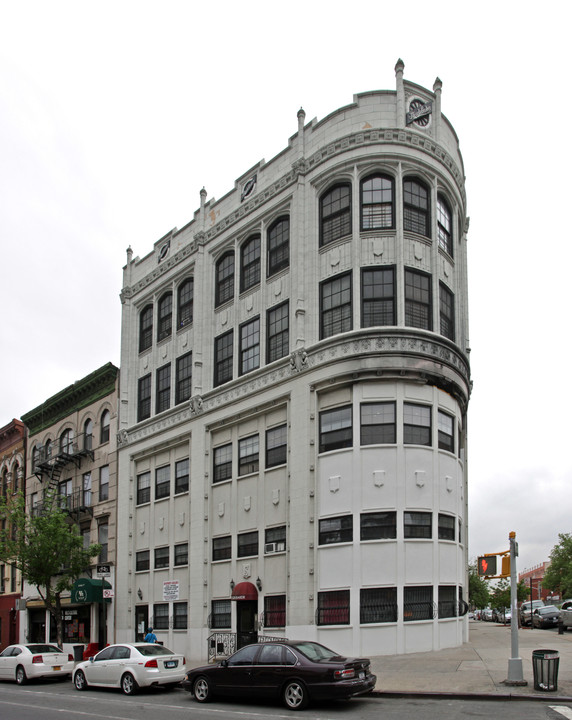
x=25, y=662
x=130, y=666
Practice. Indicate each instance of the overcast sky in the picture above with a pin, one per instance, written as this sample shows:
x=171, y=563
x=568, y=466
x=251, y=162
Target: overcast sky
x=114, y=115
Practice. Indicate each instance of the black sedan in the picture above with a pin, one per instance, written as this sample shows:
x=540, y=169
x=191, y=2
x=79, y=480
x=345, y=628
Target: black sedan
x=545, y=617
x=295, y=671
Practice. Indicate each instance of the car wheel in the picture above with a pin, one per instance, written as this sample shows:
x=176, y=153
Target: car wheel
x=79, y=681
x=202, y=689
x=295, y=695
x=21, y=677
x=129, y=684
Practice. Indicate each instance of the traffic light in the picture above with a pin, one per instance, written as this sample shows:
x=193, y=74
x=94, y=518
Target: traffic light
x=487, y=565
x=505, y=566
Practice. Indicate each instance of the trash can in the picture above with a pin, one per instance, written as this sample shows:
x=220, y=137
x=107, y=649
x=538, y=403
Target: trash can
x=545, y=669
x=78, y=653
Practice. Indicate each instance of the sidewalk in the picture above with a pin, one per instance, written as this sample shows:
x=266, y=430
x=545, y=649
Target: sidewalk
x=477, y=668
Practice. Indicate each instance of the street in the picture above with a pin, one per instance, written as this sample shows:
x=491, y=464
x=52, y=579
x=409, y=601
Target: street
x=51, y=700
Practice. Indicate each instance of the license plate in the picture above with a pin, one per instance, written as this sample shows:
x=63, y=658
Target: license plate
x=171, y=663
x=361, y=675
x=57, y=668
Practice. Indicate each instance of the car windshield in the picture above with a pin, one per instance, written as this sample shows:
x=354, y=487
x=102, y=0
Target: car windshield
x=149, y=650
x=43, y=648
x=547, y=609
x=314, y=651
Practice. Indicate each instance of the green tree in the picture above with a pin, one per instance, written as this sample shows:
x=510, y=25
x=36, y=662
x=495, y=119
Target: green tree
x=46, y=547
x=558, y=576
x=478, y=588
x=501, y=595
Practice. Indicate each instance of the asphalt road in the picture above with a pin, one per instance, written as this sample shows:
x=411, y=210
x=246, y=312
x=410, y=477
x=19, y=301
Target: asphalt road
x=60, y=700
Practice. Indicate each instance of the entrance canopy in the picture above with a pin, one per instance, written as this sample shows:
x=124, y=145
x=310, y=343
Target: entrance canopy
x=244, y=591
x=88, y=590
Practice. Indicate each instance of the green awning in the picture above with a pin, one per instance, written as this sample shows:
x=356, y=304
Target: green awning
x=88, y=590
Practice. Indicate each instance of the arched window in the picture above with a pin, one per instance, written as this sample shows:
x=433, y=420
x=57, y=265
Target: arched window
x=224, y=290
x=278, y=245
x=66, y=442
x=165, y=316
x=250, y=263
x=444, y=225
x=88, y=435
x=146, y=328
x=104, y=430
x=4, y=482
x=335, y=213
x=416, y=216
x=15, y=473
x=35, y=457
x=377, y=203
x=185, y=303
x=48, y=449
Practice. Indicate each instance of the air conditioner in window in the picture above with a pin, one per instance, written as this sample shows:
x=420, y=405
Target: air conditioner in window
x=274, y=547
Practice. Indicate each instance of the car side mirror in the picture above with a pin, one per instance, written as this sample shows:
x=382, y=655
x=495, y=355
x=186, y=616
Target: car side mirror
x=91, y=659
x=224, y=663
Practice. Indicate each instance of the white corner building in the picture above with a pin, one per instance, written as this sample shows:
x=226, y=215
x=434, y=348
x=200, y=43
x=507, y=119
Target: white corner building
x=293, y=397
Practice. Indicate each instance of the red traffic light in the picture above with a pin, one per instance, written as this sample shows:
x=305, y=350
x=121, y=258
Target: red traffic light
x=487, y=565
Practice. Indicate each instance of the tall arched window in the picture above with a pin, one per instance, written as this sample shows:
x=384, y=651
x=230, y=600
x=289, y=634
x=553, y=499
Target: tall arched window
x=66, y=442
x=104, y=431
x=15, y=473
x=335, y=213
x=278, y=245
x=88, y=435
x=444, y=225
x=250, y=263
x=185, y=303
x=146, y=328
x=416, y=216
x=377, y=203
x=224, y=290
x=165, y=316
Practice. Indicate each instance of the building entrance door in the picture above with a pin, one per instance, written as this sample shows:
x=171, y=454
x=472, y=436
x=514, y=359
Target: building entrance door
x=141, y=622
x=246, y=619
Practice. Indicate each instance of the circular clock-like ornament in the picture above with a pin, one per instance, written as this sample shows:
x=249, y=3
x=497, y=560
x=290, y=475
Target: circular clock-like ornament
x=419, y=112
x=164, y=251
x=248, y=188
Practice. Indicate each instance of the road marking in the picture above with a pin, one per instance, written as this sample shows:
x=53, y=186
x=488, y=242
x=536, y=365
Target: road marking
x=562, y=709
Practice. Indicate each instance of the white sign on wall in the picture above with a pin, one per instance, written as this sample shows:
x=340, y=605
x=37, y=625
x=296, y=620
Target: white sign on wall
x=171, y=590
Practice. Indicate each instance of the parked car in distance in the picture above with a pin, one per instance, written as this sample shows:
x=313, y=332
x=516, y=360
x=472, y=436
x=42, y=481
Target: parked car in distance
x=544, y=617
x=566, y=614
x=524, y=611
x=295, y=671
x=504, y=615
x=34, y=660
x=130, y=666
x=487, y=614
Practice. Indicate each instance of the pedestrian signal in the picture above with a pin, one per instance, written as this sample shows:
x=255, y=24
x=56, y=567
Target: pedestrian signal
x=505, y=571
x=487, y=565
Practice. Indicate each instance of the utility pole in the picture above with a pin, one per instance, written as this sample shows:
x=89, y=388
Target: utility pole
x=515, y=676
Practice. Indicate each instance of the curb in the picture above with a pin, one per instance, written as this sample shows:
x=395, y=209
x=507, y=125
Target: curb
x=466, y=695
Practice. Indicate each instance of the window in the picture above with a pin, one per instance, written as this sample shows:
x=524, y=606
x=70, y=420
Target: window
x=146, y=328
x=418, y=311
x=143, y=488
x=446, y=312
x=444, y=225
x=88, y=435
x=336, y=306
x=417, y=525
x=377, y=605
x=86, y=489
x=447, y=601
x=104, y=427
x=377, y=203
x=224, y=288
x=183, y=379
x=247, y=544
x=250, y=346
x=162, y=482
x=275, y=539
x=222, y=548
x=336, y=530
x=66, y=442
x=163, y=400
x=103, y=540
x=336, y=428
x=276, y=446
x=161, y=616
x=416, y=424
x=416, y=207
x=182, y=476
x=275, y=611
x=278, y=245
x=161, y=558
x=378, y=297
x=418, y=603
x=378, y=525
x=377, y=423
x=144, y=398
x=223, y=358
x=333, y=608
x=222, y=463
x=165, y=316
x=335, y=213
x=181, y=554
x=220, y=615
x=446, y=431
x=277, y=334
x=64, y=493
x=142, y=560
x=446, y=530
x=185, y=303
x=250, y=263
x=104, y=482
x=180, y=616
x=248, y=455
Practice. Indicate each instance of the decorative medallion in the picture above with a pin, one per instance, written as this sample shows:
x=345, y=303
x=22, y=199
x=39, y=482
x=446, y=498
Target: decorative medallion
x=419, y=113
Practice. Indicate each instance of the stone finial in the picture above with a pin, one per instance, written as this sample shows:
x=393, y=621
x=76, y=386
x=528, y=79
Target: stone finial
x=301, y=113
x=437, y=85
x=129, y=254
x=399, y=66
x=203, y=196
